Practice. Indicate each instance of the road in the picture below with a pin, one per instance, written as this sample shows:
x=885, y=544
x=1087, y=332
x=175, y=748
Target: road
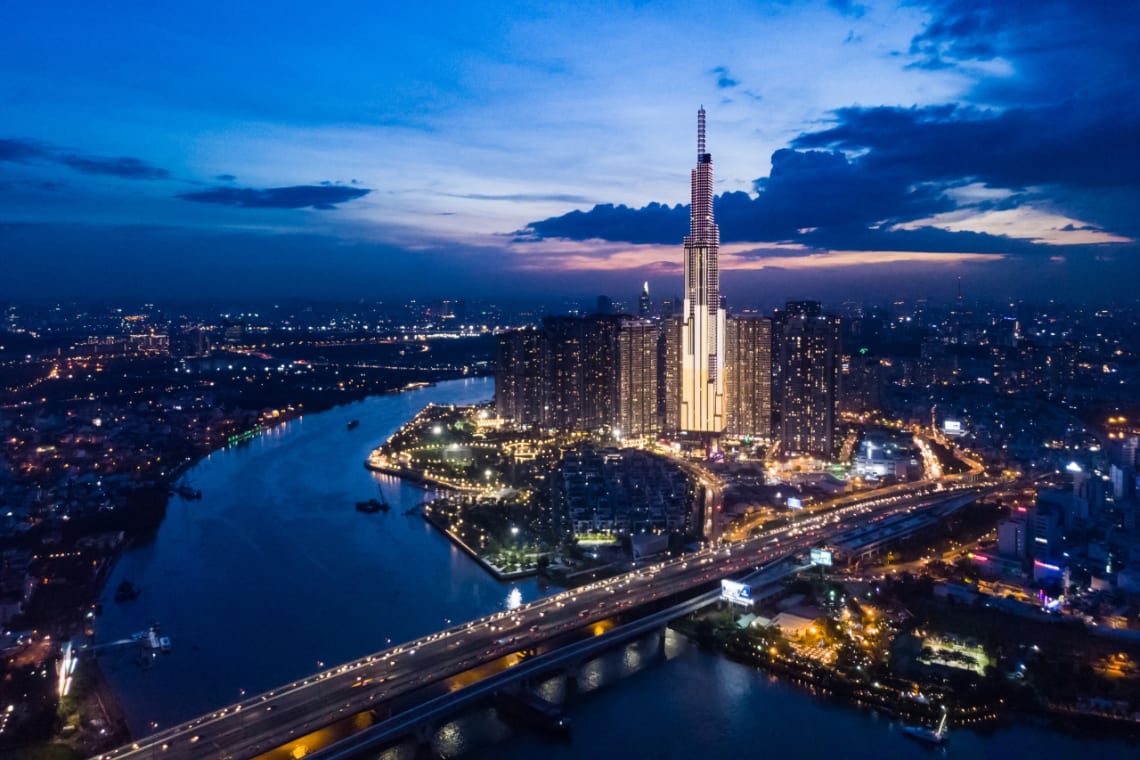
x=267, y=721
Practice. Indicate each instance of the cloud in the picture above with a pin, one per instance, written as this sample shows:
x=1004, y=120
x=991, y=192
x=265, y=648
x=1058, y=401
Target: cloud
x=806, y=189
x=848, y=7
x=1073, y=143
x=723, y=80
x=125, y=167
x=231, y=178
x=1045, y=50
x=522, y=197
x=654, y=223
x=18, y=150
x=322, y=197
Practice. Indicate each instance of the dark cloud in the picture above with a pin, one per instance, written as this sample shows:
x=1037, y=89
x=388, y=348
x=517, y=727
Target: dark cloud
x=323, y=197
x=905, y=162
x=1080, y=144
x=921, y=239
x=848, y=7
x=806, y=189
x=230, y=178
x=1057, y=48
x=655, y=223
x=17, y=150
x=125, y=167
x=21, y=151
x=723, y=80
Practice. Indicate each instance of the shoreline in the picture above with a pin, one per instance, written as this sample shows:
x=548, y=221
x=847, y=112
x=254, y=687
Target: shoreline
x=101, y=686
x=494, y=571
x=978, y=716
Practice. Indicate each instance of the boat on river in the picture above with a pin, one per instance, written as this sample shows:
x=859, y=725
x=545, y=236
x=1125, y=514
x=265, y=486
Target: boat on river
x=354, y=424
x=126, y=592
x=930, y=735
x=372, y=505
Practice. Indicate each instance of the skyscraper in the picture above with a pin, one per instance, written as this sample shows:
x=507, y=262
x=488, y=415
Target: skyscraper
x=703, y=321
x=637, y=378
x=748, y=376
x=808, y=361
x=643, y=302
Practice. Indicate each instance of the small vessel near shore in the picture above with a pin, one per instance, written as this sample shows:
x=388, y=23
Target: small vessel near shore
x=937, y=736
x=186, y=492
x=126, y=592
x=354, y=425
x=372, y=505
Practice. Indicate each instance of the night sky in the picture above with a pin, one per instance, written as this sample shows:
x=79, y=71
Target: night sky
x=384, y=150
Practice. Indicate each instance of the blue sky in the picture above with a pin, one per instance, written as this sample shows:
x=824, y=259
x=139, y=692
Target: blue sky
x=149, y=150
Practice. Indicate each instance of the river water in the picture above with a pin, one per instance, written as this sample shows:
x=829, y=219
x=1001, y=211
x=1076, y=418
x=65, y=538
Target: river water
x=274, y=571
x=273, y=574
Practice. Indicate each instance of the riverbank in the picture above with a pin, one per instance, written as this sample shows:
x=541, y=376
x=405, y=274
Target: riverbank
x=980, y=705
x=411, y=475
x=277, y=513
x=92, y=717
x=499, y=574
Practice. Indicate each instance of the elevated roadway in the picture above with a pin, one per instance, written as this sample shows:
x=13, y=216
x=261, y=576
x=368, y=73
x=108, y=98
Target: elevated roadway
x=385, y=685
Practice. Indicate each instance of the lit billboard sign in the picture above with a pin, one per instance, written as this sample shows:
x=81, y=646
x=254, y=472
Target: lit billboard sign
x=821, y=557
x=794, y=503
x=952, y=427
x=737, y=593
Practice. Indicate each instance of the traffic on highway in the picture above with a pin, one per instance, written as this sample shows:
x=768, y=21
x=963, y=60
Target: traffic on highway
x=373, y=683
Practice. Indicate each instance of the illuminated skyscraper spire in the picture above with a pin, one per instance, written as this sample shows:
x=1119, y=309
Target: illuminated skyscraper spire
x=703, y=326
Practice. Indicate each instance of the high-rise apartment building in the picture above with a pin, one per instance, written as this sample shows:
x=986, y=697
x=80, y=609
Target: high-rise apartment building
x=748, y=376
x=637, y=379
x=519, y=376
x=577, y=373
x=669, y=374
x=807, y=348
x=702, y=402
x=580, y=357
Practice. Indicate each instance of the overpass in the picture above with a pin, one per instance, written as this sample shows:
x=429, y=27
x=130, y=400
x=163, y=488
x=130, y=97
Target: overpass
x=421, y=720
x=386, y=691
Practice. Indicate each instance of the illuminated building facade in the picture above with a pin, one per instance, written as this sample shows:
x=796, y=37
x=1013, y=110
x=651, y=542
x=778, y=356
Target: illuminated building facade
x=519, y=377
x=748, y=376
x=637, y=379
x=702, y=401
x=581, y=374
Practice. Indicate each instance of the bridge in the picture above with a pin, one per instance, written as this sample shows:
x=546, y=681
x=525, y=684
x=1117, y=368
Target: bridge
x=383, y=697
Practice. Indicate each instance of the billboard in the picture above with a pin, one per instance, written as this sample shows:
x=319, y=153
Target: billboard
x=821, y=557
x=737, y=593
x=794, y=503
x=952, y=427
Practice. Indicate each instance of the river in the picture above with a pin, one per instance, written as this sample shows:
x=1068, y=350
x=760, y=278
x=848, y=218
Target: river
x=273, y=573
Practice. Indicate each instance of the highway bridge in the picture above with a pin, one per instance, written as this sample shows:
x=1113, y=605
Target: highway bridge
x=388, y=693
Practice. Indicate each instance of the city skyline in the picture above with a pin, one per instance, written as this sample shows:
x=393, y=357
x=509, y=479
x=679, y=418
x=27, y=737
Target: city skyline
x=888, y=147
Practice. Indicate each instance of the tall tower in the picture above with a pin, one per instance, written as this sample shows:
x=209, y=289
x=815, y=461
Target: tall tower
x=702, y=326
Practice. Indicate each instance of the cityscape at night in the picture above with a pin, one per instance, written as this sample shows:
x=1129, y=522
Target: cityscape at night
x=374, y=383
